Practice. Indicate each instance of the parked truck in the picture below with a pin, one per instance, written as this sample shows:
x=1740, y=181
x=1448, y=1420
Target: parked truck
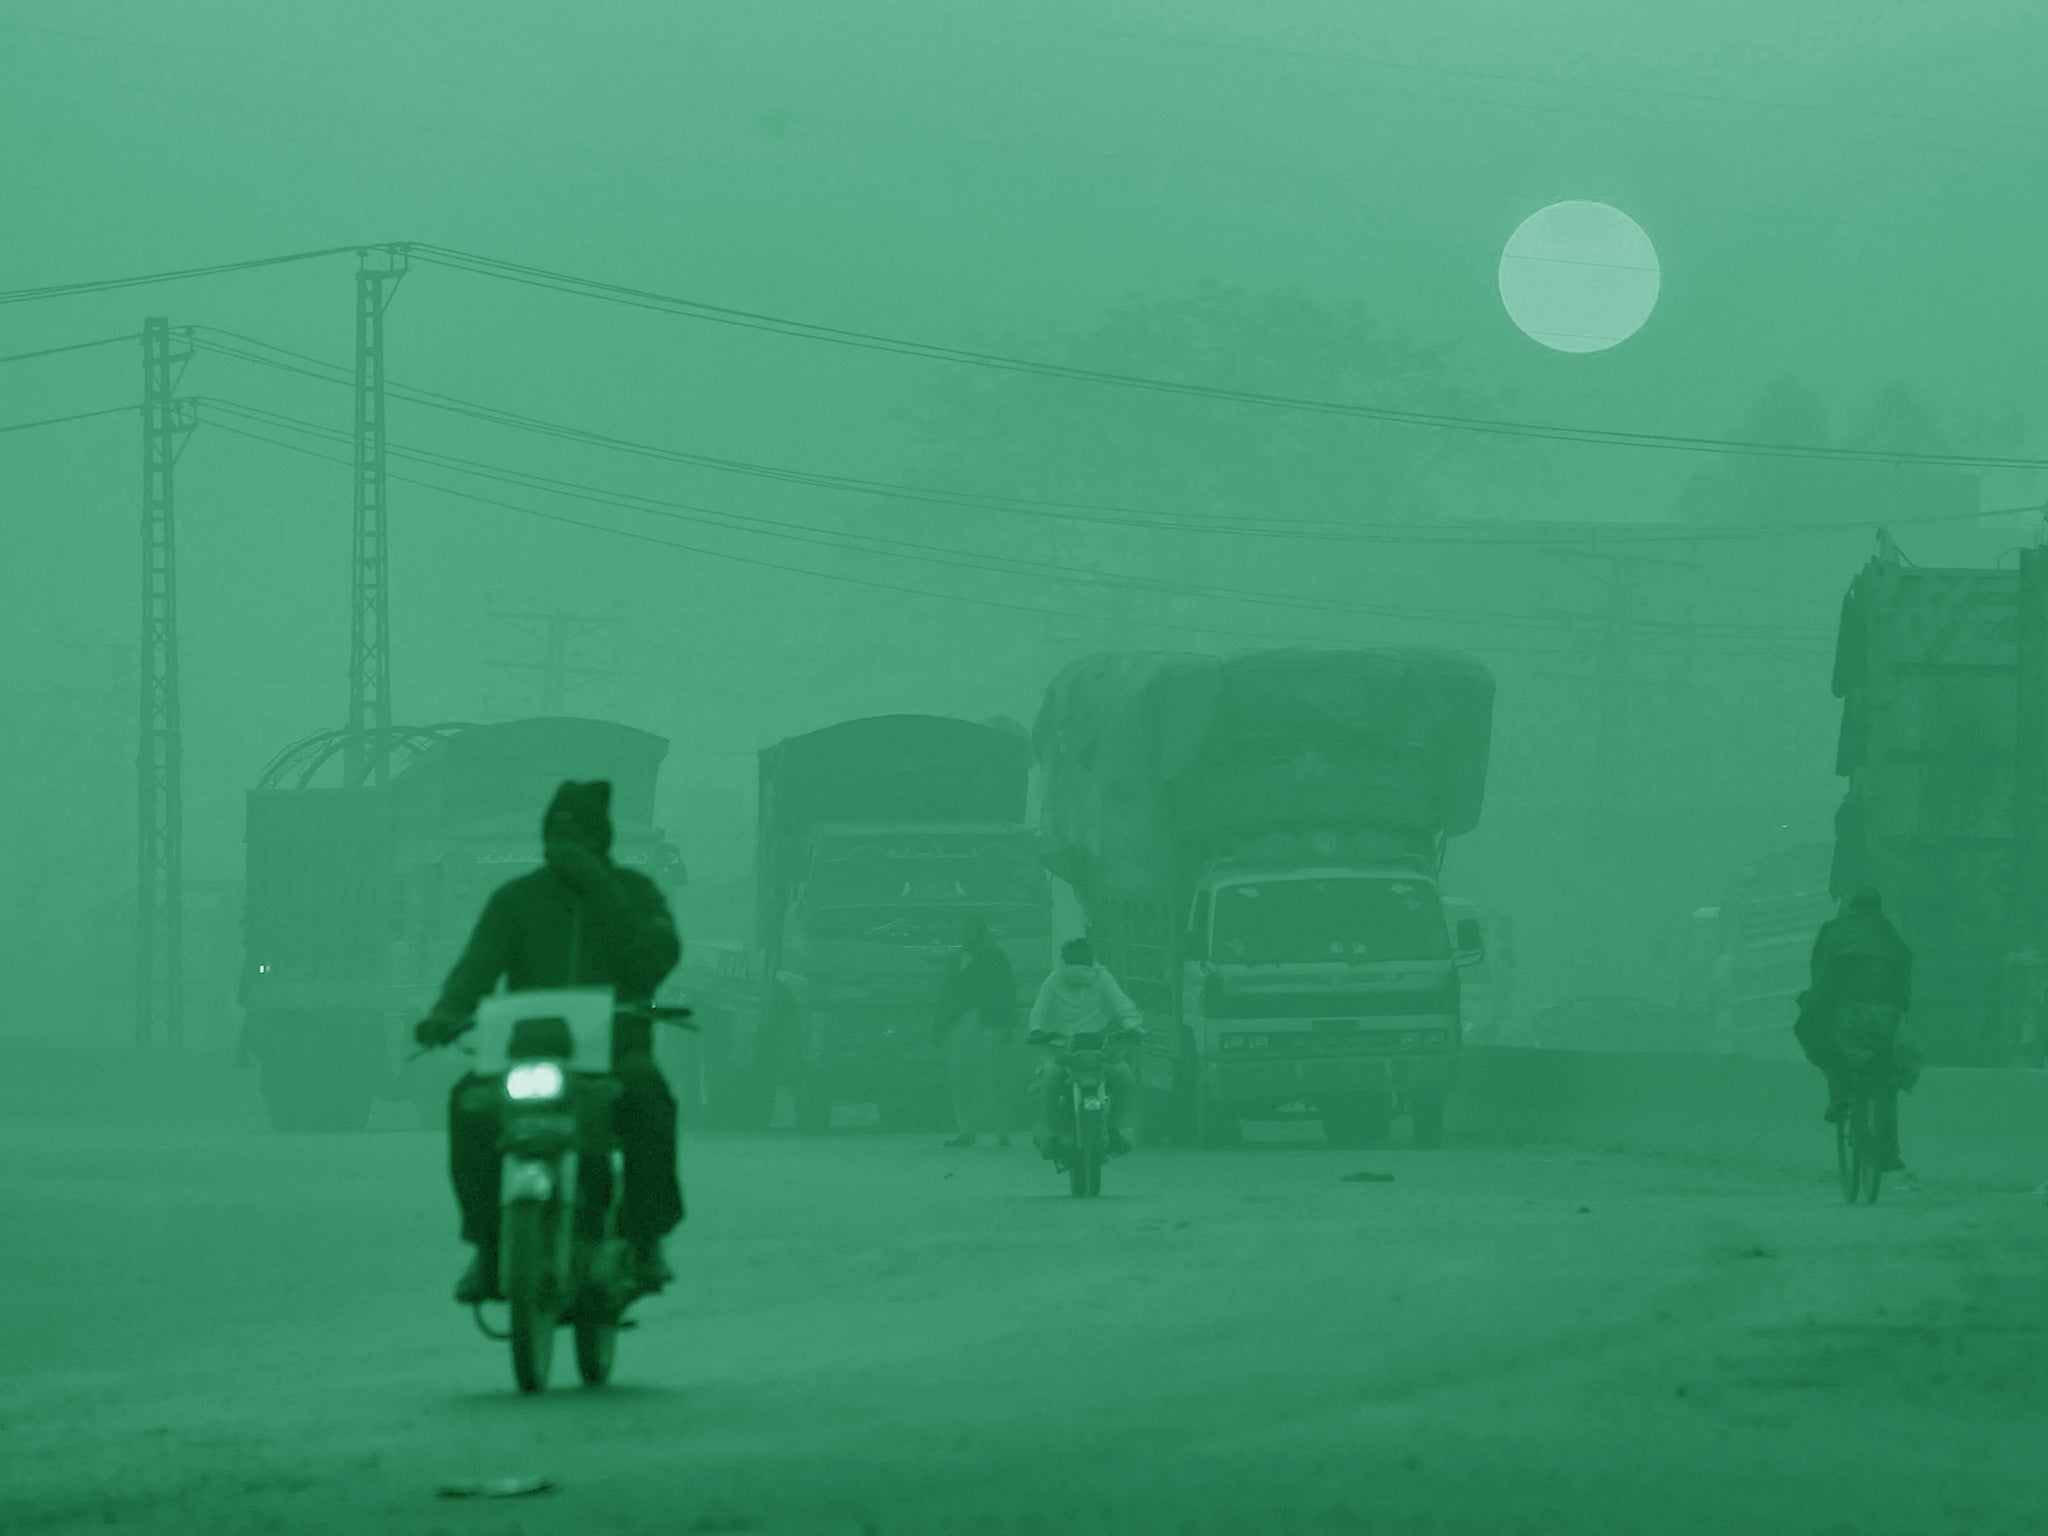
x=875, y=840
x=1943, y=678
x=1255, y=842
x=359, y=899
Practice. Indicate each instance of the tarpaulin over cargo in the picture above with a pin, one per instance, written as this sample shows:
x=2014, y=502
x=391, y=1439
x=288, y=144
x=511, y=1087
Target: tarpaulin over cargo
x=918, y=769
x=510, y=770
x=1151, y=759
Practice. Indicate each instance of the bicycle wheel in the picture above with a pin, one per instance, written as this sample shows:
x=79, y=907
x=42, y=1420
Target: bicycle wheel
x=1876, y=1151
x=1845, y=1159
x=1869, y=1170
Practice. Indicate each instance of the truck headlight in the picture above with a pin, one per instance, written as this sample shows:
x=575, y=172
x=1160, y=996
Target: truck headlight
x=532, y=1080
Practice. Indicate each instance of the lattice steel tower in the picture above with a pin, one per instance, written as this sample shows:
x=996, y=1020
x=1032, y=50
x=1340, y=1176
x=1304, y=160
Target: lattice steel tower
x=160, y=864
x=367, y=760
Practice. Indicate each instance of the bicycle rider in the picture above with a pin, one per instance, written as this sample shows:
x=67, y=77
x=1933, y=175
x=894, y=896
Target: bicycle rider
x=1862, y=985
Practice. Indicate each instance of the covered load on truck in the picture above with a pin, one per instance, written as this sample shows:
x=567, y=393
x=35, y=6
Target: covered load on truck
x=877, y=839
x=358, y=899
x=1255, y=841
x=891, y=771
x=1153, y=761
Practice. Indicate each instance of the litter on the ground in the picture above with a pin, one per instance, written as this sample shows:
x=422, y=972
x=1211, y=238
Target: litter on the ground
x=496, y=1488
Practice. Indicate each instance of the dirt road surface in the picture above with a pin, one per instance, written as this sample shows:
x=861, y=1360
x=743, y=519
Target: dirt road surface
x=209, y=1328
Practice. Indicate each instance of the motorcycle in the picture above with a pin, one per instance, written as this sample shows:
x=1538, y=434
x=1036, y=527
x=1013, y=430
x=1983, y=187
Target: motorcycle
x=546, y=1059
x=1081, y=1134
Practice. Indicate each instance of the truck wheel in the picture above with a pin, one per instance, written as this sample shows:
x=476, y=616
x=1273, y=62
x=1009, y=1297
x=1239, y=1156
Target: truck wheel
x=1426, y=1112
x=1359, y=1121
x=903, y=1109
x=340, y=1106
x=304, y=1090
x=682, y=1063
x=738, y=1096
x=813, y=1105
x=1216, y=1123
x=281, y=1098
x=432, y=1103
x=1156, y=1118
x=745, y=1101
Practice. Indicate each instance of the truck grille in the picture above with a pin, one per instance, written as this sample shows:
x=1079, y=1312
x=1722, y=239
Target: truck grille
x=1330, y=1005
x=1237, y=1044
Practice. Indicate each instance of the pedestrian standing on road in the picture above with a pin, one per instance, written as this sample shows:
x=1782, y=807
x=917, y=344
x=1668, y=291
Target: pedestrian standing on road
x=977, y=1026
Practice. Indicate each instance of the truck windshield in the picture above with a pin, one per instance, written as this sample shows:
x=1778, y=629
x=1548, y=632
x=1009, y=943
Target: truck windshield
x=1344, y=919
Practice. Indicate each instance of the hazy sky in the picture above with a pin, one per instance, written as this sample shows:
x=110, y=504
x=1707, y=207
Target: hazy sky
x=1844, y=191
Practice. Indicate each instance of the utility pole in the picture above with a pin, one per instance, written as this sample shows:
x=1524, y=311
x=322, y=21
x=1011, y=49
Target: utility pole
x=2027, y=1034
x=1617, y=688
x=368, y=752
x=159, y=808
x=558, y=634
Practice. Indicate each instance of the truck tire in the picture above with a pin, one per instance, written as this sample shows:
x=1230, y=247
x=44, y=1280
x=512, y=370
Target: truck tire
x=742, y=1098
x=310, y=1086
x=812, y=1103
x=739, y=1092
x=1216, y=1123
x=1157, y=1117
x=1360, y=1120
x=281, y=1098
x=682, y=1062
x=1426, y=1114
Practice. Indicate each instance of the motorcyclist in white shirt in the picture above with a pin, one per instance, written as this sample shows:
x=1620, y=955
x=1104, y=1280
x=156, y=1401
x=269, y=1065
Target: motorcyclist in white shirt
x=1081, y=997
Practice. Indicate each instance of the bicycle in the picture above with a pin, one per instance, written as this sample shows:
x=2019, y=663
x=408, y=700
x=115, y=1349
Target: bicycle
x=1868, y=1130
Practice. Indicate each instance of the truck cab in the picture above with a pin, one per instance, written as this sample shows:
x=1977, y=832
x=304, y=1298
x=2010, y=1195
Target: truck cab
x=1333, y=988
x=878, y=913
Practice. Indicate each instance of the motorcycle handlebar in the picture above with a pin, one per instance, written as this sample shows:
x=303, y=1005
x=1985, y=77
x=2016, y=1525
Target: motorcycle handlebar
x=677, y=1014
x=1046, y=1037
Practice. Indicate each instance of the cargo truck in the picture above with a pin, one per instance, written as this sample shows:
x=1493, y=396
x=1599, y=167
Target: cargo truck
x=1255, y=842
x=358, y=900
x=875, y=840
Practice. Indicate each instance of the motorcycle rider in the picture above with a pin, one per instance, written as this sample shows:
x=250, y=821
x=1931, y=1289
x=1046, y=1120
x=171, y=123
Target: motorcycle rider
x=1081, y=997
x=578, y=920
x=1862, y=984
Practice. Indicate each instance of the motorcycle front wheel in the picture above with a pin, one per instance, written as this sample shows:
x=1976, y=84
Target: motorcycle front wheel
x=529, y=1292
x=1084, y=1175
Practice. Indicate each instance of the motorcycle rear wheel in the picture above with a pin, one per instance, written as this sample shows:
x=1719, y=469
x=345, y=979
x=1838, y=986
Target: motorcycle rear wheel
x=529, y=1292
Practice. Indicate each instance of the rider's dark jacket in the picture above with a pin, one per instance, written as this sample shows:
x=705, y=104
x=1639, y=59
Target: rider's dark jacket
x=538, y=931
x=1860, y=958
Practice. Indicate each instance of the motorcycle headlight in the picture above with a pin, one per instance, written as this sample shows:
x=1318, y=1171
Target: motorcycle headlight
x=532, y=1080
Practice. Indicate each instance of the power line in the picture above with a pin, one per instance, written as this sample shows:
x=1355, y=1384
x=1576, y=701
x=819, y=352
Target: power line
x=58, y=421
x=1777, y=652
x=755, y=561
x=76, y=346
x=1467, y=534
x=479, y=264
x=175, y=275
x=839, y=540
x=648, y=299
